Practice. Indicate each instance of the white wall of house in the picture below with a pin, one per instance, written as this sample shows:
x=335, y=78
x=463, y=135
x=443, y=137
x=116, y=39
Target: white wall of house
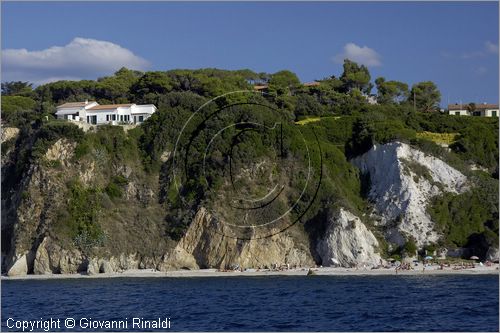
x=491, y=113
x=132, y=114
x=142, y=112
x=143, y=109
x=459, y=112
x=61, y=113
x=100, y=116
x=477, y=113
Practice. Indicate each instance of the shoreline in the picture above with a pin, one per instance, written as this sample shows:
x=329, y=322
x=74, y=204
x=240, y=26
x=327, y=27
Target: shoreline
x=323, y=271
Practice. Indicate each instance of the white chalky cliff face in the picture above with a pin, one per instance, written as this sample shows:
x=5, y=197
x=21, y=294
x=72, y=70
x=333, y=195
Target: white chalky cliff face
x=347, y=242
x=403, y=180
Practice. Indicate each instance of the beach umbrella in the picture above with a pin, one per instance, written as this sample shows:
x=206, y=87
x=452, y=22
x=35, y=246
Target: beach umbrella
x=428, y=258
x=474, y=258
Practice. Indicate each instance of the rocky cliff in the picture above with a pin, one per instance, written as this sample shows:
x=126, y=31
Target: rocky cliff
x=403, y=180
x=39, y=209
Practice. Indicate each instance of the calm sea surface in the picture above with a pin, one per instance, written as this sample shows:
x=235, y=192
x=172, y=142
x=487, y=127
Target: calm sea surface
x=315, y=303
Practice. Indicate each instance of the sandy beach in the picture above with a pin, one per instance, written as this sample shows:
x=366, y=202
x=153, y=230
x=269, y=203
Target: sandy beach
x=328, y=271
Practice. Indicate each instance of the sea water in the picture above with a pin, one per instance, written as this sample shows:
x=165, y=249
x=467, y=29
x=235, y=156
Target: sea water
x=273, y=303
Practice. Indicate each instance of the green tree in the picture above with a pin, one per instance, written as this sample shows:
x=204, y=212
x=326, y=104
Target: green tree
x=356, y=77
x=471, y=108
x=391, y=92
x=17, y=103
x=307, y=105
x=283, y=82
x=151, y=84
x=116, y=88
x=17, y=88
x=66, y=91
x=18, y=110
x=425, y=95
x=410, y=247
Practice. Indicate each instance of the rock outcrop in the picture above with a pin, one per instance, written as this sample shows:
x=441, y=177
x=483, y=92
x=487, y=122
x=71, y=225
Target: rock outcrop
x=62, y=150
x=205, y=245
x=493, y=254
x=403, y=180
x=19, y=266
x=347, y=242
x=8, y=133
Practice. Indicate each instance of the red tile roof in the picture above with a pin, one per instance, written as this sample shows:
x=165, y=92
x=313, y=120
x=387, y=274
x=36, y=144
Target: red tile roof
x=108, y=106
x=465, y=106
x=74, y=104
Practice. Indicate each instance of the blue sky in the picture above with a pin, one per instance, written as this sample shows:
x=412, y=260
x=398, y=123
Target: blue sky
x=452, y=44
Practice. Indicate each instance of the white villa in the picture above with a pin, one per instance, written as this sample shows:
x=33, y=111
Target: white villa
x=112, y=114
x=480, y=110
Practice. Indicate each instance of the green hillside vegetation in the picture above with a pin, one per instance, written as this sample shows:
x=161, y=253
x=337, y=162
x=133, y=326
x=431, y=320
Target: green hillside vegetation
x=334, y=113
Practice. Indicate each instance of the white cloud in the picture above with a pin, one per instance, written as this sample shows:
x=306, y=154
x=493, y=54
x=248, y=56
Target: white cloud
x=363, y=55
x=488, y=49
x=81, y=58
x=491, y=47
x=481, y=70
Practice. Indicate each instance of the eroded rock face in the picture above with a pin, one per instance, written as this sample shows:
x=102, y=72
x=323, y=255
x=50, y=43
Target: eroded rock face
x=62, y=150
x=205, y=246
x=403, y=181
x=42, y=264
x=347, y=242
x=8, y=133
x=93, y=267
x=19, y=267
x=493, y=254
x=106, y=267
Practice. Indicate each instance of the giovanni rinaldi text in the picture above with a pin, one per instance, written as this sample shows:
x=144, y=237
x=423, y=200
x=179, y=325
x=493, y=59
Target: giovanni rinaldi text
x=86, y=323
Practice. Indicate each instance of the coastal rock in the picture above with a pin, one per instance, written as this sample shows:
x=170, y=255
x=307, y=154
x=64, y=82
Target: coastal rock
x=62, y=150
x=19, y=267
x=131, y=191
x=403, y=180
x=205, y=243
x=347, y=242
x=41, y=264
x=87, y=173
x=165, y=156
x=67, y=261
x=441, y=253
x=93, y=267
x=493, y=254
x=125, y=262
x=179, y=258
x=8, y=133
x=106, y=267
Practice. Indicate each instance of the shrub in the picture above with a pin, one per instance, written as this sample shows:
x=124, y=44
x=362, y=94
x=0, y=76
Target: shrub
x=114, y=189
x=84, y=212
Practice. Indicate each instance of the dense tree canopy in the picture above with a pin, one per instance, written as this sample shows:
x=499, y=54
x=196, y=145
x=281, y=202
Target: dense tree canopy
x=116, y=88
x=333, y=95
x=356, y=77
x=426, y=96
x=18, y=88
x=390, y=92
